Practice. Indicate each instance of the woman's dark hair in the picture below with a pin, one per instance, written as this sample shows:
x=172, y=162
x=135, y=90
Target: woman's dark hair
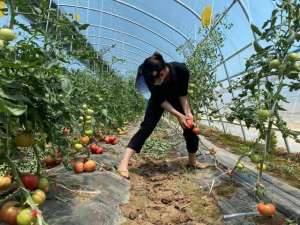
x=152, y=66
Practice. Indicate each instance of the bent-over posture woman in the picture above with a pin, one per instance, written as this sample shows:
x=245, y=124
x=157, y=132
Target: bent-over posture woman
x=168, y=84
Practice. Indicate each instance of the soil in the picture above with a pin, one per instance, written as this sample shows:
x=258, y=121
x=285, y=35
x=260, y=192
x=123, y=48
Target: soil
x=280, y=164
x=162, y=193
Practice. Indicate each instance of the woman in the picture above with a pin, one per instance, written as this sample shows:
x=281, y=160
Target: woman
x=168, y=84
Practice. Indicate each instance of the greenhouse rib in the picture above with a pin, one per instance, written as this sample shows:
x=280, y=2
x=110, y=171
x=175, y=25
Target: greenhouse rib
x=153, y=17
x=133, y=60
x=123, y=18
x=233, y=76
x=122, y=42
x=233, y=55
x=247, y=17
x=228, y=79
x=120, y=49
x=218, y=21
x=189, y=9
x=133, y=36
x=225, y=121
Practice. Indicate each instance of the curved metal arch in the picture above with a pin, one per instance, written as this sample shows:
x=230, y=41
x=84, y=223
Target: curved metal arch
x=219, y=19
x=127, y=65
x=153, y=17
x=123, y=18
x=247, y=17
x=128, y=59
x=120, y=49
x=188, y=8
x=133, y=36
x=228, y=79
x=122, y=42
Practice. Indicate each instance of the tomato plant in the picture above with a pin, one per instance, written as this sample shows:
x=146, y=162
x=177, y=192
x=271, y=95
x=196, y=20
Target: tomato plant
x=269, y=71
x=201, y=59
x=40, y=95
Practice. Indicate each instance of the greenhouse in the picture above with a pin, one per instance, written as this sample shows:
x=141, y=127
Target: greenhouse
x=125, y=112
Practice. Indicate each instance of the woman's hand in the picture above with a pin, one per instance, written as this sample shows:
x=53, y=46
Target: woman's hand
x=190, y=116
x=182, y=121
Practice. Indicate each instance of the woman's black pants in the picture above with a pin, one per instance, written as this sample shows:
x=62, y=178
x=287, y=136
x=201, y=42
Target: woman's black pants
x=153, y=114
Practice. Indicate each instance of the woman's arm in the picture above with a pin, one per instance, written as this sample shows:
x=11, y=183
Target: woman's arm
x=181, y=118
x=168, y=107
x=186, y=106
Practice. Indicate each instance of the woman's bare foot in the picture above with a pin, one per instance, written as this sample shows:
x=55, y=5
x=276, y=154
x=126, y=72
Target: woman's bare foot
x=197, y=165
x=194, y=163
x=123, y=169
x=123, y=165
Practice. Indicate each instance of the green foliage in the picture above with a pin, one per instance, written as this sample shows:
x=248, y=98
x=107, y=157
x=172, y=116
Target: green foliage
x=40, y=94
x=156, y=147
x=201, y=59
x=271, y=69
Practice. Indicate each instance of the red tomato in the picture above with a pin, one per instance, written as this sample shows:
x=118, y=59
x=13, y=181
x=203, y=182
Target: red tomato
x=30, y=181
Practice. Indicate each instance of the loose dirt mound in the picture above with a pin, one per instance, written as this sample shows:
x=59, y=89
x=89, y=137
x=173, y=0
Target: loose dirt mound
x=163, y=194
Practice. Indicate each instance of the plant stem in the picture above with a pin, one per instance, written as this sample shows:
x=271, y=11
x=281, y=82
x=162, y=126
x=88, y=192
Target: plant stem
x=15, y=171
x=12, y=12
x=37, y=156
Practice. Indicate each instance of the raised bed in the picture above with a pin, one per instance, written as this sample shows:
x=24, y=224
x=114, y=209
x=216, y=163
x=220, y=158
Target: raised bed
x=286, y=197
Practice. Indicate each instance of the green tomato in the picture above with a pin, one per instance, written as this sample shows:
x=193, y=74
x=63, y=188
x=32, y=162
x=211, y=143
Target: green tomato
x=274, y=64
x=293, y=56
x=25, y=217
x=192, y=85
x=240, y=166
x=282, y=68
x=88, y=121
x=43, y=183
x=263, y=168
x=7, y=34
x=84, y=106
x=100, y=99
x=263, y=114
x=90, y=111
x=88, y=117
x=78, y=146
x=89, y=132
x=190, y=92
x=255, y=158
x=1, y=44
x=296, y=66
x=81, y=118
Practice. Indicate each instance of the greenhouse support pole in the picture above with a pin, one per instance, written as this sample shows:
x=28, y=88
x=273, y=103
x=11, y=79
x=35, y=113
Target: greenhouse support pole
x=87, y=19
x=219, y=19
x=133, y=36
x=286, y=144
x=221, y=121
x=227, y=76
x=153, y=17
x=127, y=20
x=241, y=125
x=99, y=32
x=208, y=120
x=48, y=16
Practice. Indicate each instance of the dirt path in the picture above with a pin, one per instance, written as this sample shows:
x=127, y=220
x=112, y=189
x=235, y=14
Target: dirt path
x=163, y=192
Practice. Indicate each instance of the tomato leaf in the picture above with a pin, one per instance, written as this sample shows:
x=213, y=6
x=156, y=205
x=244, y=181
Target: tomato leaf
x=83, y=26
x=13, y=109
x=256, y=30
